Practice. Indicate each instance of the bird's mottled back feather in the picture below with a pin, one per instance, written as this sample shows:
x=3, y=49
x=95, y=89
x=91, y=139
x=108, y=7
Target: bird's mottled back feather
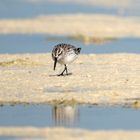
x=65, y=53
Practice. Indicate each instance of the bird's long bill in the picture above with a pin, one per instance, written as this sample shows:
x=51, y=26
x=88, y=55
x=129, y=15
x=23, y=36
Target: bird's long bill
x=55, y=61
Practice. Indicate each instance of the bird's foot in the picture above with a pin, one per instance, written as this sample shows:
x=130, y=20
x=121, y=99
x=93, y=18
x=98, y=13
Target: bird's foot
x=64, y=74
x=60, y=74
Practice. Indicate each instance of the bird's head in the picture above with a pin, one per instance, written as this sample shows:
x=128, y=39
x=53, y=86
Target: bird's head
x=56, y=55
x=77, y=50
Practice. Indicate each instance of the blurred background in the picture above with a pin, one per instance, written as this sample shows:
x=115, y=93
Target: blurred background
x=16, y=11
x=30, y=8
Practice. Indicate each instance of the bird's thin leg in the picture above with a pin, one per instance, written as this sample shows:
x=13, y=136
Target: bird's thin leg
x=65, y=69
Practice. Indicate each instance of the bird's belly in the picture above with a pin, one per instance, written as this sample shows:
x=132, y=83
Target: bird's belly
x=67, y=59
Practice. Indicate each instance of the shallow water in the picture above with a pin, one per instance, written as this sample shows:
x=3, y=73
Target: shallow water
x=87, y=117
x=45, y=43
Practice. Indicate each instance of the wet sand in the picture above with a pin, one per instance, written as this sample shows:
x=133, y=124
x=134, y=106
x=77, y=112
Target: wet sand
x=111, y=79
x=67, y=134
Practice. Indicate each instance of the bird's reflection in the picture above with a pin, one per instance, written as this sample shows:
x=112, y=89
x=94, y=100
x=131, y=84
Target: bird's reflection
x=65, y=115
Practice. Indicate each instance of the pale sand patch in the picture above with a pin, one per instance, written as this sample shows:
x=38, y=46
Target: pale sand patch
x=67, y=134
x=97, y=79
x=86, y=25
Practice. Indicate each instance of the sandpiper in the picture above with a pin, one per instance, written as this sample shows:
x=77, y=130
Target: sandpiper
x=64, y=54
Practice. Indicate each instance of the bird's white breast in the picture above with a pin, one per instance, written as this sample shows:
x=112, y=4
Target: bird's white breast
x=68, y=59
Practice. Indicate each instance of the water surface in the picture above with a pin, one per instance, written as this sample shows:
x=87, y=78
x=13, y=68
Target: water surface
x=44, y=44
x=86, y=117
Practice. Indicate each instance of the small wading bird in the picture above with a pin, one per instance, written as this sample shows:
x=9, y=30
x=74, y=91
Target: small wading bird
x=64, y=54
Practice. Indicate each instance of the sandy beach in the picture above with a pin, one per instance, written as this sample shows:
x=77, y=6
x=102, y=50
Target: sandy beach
x=111, y=79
